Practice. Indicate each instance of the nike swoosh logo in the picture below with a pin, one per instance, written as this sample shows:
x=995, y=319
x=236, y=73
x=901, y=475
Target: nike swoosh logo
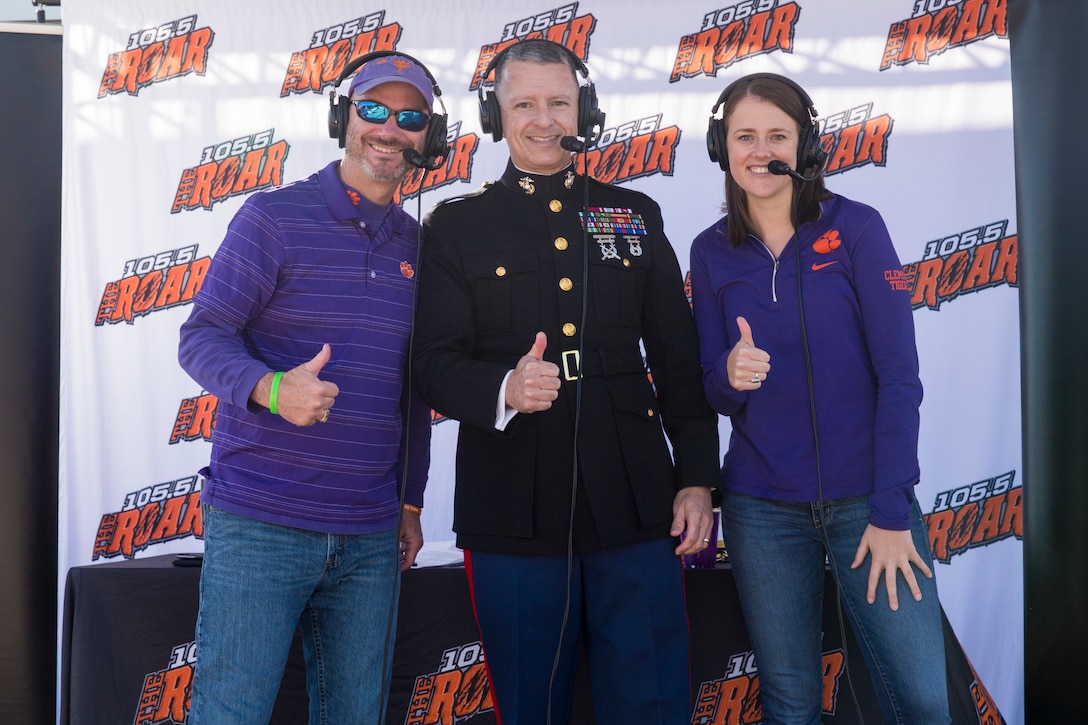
x=818, y=267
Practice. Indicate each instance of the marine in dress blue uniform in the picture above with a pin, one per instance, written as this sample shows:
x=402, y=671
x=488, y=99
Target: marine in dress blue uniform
x=524, y=255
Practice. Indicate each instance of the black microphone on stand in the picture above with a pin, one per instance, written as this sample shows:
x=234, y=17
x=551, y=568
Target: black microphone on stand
x=781, y=168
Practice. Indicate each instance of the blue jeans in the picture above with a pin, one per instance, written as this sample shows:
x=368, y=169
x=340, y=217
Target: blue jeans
x=262, y=581
x=778, y=550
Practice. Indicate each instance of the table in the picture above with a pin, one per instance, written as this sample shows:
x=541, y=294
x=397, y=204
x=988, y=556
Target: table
x=127, y=653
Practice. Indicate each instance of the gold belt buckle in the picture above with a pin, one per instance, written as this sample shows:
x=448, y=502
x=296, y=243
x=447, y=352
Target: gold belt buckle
x=577, y=373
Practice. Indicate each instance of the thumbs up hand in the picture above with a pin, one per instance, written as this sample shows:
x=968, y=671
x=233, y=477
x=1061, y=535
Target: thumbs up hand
x=302, y=398
x=747, y=365
x=534, y=383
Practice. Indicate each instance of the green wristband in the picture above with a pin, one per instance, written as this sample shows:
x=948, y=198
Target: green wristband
x=274, y=393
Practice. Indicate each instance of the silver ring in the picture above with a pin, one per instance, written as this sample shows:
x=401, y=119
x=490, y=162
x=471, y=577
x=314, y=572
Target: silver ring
x=706, y=541
x=324, y=417
x=756, y=378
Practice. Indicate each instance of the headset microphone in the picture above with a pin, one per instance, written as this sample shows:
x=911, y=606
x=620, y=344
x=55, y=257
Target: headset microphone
x=572, y=143
x=578, y=145
x=781, y=168
x=417, y=160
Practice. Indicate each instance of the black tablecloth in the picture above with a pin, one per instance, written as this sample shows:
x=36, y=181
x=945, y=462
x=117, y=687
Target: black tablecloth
x=127, y=654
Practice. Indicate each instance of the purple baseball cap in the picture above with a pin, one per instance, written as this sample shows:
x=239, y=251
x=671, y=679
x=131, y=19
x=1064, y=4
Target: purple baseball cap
x=393, y=69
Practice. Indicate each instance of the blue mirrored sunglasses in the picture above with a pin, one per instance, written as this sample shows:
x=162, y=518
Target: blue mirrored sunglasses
x=375, y=112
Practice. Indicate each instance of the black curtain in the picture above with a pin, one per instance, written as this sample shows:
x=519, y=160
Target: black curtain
x=30, y=164
x=1049, y=66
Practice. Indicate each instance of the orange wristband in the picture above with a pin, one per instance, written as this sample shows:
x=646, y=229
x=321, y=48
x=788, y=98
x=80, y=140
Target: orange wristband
x=413, y=508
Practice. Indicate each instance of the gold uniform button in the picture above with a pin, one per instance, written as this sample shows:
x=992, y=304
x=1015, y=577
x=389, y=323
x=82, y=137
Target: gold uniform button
x=569, y=329
x=500, y=271
x=627, y=263
x=555, y=205
x=561, y=243
x=566, y=285
x=650, y=412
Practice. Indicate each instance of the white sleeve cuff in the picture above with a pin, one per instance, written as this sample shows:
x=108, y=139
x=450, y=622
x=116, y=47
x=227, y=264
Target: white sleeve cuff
x=503, y=413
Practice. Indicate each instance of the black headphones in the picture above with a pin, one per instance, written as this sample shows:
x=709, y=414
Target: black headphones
x=810, y=154
x=589, y=111
x=434, y=143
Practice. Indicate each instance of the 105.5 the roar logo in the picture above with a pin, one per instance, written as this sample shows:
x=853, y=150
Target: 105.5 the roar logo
x=155, y=55
x=166, y=695
x=935, y=26
x=455, y=692
x=733, y=699
x=560, y=24
x=229, y=168
x=733, y=33
x=155, y=282
x=154, y=514
x=963, y=262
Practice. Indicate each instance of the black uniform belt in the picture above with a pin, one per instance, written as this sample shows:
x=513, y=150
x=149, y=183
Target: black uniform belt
x=597, y=363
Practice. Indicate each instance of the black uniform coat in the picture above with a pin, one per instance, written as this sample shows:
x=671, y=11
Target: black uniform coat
x=505, y=262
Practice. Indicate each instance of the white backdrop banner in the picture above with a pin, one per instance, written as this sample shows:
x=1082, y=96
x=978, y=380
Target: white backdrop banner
x=177, y=110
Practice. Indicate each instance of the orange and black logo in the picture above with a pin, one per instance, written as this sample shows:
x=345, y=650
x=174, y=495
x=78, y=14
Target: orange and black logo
x=457, y=691
x=985, y=708
x=634, y=149
x=732, y=33
x=855, y=138
x=734, y=699
x=561, y=25
x=166, y=696
x=331, y=49
x=156, y=55
x=975, y=515
x=969, y=261
x=458, y=166
x=231, y=168
x=152, y=515
x=935, y=26
x=153, y=283
x=195, y=419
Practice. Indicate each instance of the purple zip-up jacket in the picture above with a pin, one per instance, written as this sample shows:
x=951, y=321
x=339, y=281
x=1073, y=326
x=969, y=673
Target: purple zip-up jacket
x=864, y=364
x=296, y=269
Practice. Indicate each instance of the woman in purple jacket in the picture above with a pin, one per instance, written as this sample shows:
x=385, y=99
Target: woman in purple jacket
x=807, y=344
